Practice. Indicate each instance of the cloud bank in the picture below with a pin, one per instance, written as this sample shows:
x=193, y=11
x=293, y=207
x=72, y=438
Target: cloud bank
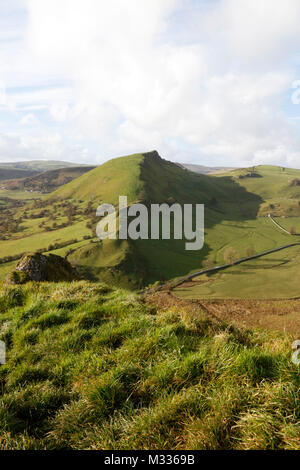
x=203, y=81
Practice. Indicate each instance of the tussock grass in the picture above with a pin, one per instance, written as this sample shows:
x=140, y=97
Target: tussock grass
x=90, y=367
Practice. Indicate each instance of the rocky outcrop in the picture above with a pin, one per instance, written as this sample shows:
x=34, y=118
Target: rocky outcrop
x=38, y=267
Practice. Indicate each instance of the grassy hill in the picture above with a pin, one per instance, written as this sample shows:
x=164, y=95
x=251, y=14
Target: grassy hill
x=106, y=182
x=38, y=166
x=273, y=184
x=91, y=367
x=47, y=181
x=150, y=179
x=236, y=204
x=13, y=173
x=274, y=276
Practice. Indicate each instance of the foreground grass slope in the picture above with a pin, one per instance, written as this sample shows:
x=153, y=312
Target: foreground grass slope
x=90, y=367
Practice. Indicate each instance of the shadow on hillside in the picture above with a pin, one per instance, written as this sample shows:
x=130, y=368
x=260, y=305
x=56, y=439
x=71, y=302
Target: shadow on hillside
x=224, y=199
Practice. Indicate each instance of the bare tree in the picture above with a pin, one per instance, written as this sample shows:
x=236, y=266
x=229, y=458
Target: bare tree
x=249, y=251
x=230, y=255
x=208, y=263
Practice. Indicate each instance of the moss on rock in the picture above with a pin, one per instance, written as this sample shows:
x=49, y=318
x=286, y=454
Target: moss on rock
x=38, y=267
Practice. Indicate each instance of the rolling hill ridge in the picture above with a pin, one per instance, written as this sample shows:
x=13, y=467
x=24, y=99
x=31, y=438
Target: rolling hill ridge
x=150, y=179
x=46, y=181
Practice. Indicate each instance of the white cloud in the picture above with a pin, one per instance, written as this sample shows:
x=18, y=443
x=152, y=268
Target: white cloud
x=29, y=119
x=45, y=146
x=256, y=31
x=129, y=76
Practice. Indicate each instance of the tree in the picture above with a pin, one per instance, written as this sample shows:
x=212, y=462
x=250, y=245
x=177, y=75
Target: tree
x=230, y=255
x=249, y=251
x=208, y=263
x=294, y=182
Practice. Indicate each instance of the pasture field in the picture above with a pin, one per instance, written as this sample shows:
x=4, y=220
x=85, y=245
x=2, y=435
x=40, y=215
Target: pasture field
x=23, y=195
x=41, y=240
x=272, y=276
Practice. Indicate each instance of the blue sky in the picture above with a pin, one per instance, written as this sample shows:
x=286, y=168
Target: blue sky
x=201, y=81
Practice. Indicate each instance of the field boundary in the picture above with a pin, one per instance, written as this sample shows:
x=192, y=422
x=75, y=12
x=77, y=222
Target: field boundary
x=278, y=225
x=173, y=284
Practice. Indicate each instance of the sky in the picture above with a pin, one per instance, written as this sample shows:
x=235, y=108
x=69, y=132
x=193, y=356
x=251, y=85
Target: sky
x=210, y=82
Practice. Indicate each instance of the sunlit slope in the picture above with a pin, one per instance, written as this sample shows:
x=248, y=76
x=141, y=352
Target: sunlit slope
x=275, y=185
x=236, y=204
x=150, y=179
x=274, y=276
x=120, y=176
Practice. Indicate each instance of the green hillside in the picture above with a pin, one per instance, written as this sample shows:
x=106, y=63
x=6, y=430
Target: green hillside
x=106, y=182
x=91, y=367
x=277, y=186
x=236, y=205
x=150, y=179
x=273, y=276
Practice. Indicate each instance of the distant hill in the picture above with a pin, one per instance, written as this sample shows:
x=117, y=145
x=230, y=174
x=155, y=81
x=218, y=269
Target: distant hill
x=9, y=173
x=38, y=166
x=18, y=170
x=205, y=169
x=47, y=181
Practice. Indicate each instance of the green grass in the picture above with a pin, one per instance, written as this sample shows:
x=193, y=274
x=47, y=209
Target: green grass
x=148, y=178
x=120, y=176
x=90, y=367
x=23, y=195
x=235, y=216
x=272, y=183
x=271, y=277
x=261, y=278
x=237, y=220
x=42, y=239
